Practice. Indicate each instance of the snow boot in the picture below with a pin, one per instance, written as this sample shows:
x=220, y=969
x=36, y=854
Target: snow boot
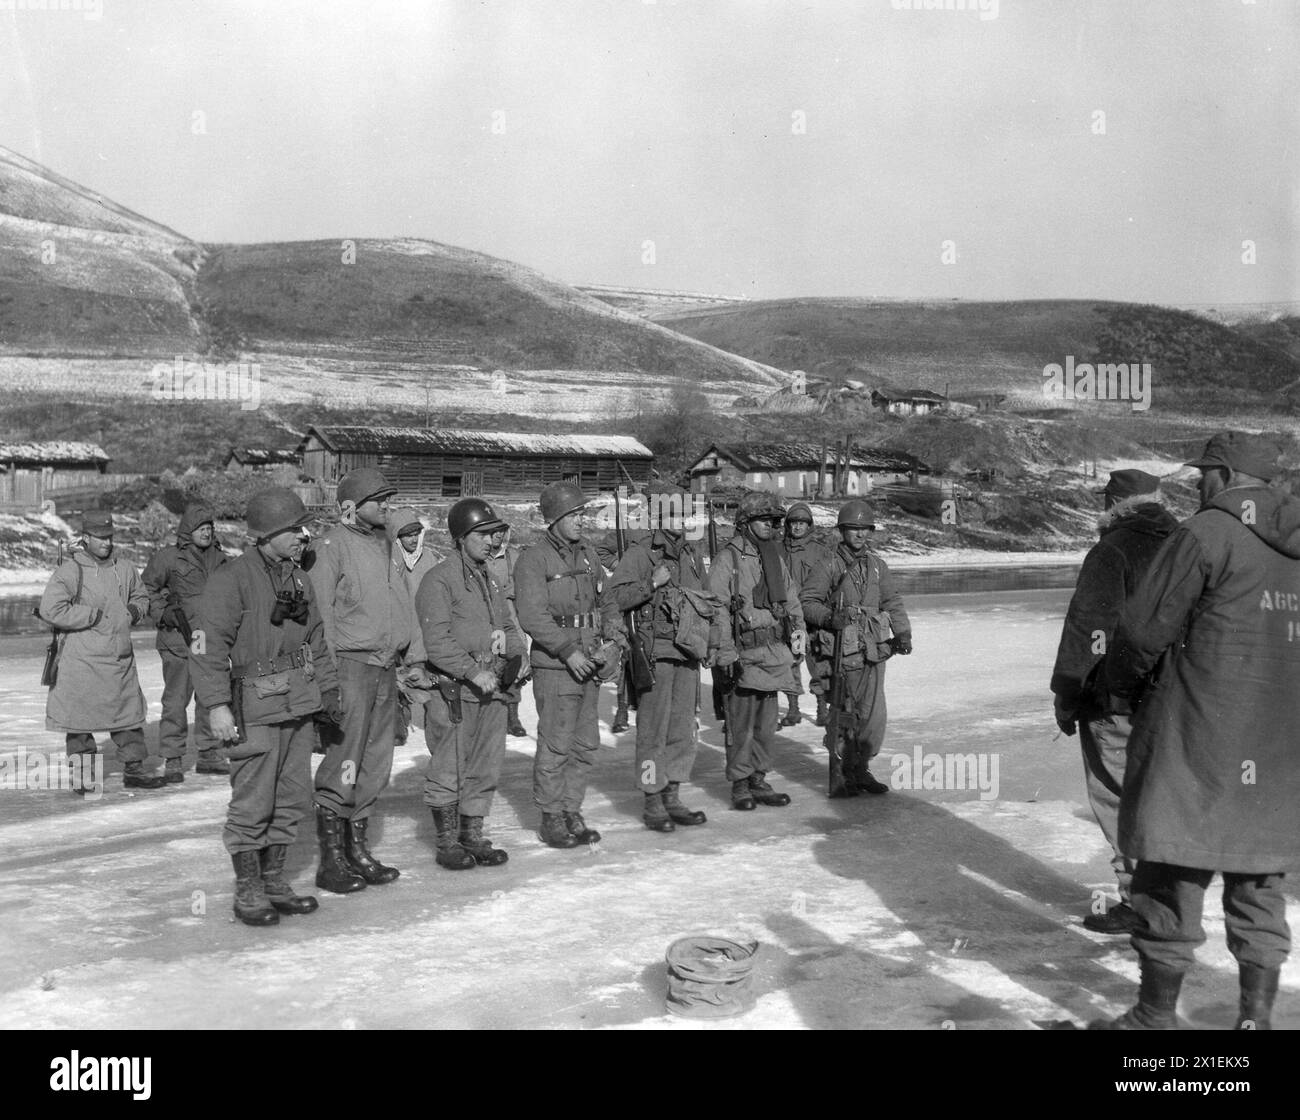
x=555, y=832
x=251, y=904
x=820, y=720
x=512, y=721
x=1258, y=990
x=742, y=797
x=1156, y=1006
x=278, y=891
x=174, y=771
x=446, y=823
x=357, y=853
x=620, y=723
x=763, y=793
x=677, y=811
x=478, y=845
x=334, y=874
x=793, y=715
x=656, y=815
x=134, y=777
x=579, y=830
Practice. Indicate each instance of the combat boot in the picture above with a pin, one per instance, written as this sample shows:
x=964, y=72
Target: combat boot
x=82, y=767
x=1258, y=990
x=211, y=763
x=334, y=874
x=864, y=782
x=446, y=823
x=134, y=777
x=555, y=832
x=174, y=771
x=357, y=852
x=579, y=830
x=512, y=721
x=478, y=845
x=677, y=811
x=742, y=797
x=656, y=814
x=251, y=904
x=620, y=723
x=278, y=891
x=763, y=793
x=793, y=715
x=820, y=720
x=1156, y=1006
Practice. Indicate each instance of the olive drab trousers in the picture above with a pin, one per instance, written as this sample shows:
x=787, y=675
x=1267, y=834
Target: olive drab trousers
x=568, y=735
x=270, y=785
x=751, y=732
x=665, y=726
x=1104, y=740
x=864, y=695
x=466, y=757
x=173, y=727
x=359, y=756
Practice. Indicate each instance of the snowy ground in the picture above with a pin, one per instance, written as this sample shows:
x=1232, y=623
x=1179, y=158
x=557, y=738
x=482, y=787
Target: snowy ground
x=923, y=909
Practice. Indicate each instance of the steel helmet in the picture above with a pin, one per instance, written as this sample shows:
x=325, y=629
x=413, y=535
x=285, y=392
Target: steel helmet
x=472, y=515
x=856, y=515
x=362, y=484
x=275, y=511
x=757, y=504
x=560, y=498
x=800, y=511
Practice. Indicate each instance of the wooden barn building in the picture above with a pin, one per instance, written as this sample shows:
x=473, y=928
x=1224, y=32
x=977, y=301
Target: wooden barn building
x=249, y=460
x=433, y=464
x=29, y=470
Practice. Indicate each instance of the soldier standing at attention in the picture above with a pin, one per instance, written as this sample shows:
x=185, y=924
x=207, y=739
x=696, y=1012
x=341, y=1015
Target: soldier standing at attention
x=97, y=597
x=261, y=669
x=803, y=554
x=854, y=592
x=661, y=579
x=760, y=603
x=558, y=593
x=370, y=625
x=175, y=578
x=474, y=648
x=414, y=558
x=501, y=564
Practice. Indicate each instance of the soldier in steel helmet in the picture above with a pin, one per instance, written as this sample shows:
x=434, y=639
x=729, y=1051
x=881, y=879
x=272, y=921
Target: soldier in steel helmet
x=261, y=668
x=475, y=650
x=761, y=630
x=559, y=595
x=804, y=553
x=370, y=629
x=854, y=593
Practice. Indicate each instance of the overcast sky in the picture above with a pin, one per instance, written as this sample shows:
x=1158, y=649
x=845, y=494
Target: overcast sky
x=765, y=148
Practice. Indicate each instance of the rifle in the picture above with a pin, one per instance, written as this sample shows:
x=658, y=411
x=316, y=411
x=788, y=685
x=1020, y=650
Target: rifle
x=721, y=677
x=835, y=710
x=50, y=670
x=638, y=666
x=182, y=623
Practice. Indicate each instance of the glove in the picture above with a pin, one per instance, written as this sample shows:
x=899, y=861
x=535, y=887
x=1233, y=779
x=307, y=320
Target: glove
x=1065, y=717
x=901, y=644
x=171, y=618
x=331, y=704
x=725, y=658
x=135, y=612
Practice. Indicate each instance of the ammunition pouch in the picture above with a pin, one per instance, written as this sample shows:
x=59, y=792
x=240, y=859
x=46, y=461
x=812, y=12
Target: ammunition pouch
x=763, y=636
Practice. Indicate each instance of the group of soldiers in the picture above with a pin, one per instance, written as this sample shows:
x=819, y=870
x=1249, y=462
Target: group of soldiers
x=335, y=644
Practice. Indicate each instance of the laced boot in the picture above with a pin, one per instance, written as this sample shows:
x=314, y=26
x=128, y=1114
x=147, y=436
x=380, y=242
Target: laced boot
x=792, y=715
x=742, y=797
x=620, y=723
x=555, y=832
x=1258, y=990
x=251, y=904
x=478, y=845
x=512, y=721
x=134, y=777
x=578, y=828
x=1156, y=1006
x=174, y=771
x=677, y=811
x=357, y=853
x=656, y=814
x=334, y=874
x=763, y=793
x=446, y=823
x=820, y=720
x=278, y=891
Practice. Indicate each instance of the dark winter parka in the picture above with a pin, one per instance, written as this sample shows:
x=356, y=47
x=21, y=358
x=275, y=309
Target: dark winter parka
x=875, y=608
x=181, y=570
x=1213, y=777
x=631, y=588
x=1109, y=575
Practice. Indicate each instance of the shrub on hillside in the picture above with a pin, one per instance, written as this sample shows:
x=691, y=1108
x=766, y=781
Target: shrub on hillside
x=228, y=494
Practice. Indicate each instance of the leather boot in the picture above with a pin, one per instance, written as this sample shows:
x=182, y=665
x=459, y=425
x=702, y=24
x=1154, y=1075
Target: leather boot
x=278, y=891
x=174, y=771
x=620, y=723
x=446, y=823
x=742, y=797
x=512, y=721
x=792, y=715
x=478, y=845
x=1156, y=1006
x=1258, y=990
x=212, y=764
x=334, y=874
x=864, y=781
x=251, y=904
x=677, y=811
x=656, y=815
x=555, y=832
x=579, y=830
x=763, y=793
x=134, y=777
x=82, y=767
x=357, y=853
x=820, y=720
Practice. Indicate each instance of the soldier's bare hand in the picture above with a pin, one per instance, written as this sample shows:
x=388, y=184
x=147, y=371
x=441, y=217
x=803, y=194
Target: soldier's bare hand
x=580, y=665
x=661, y=575
x=484, y=680
x=222, y=722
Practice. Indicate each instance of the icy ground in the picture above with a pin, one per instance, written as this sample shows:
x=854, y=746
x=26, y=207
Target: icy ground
x=923, y=909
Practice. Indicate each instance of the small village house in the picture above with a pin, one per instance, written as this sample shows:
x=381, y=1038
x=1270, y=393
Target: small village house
x=250, y=460
x=29, y=471
x=799, y=469
x=906, y=402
